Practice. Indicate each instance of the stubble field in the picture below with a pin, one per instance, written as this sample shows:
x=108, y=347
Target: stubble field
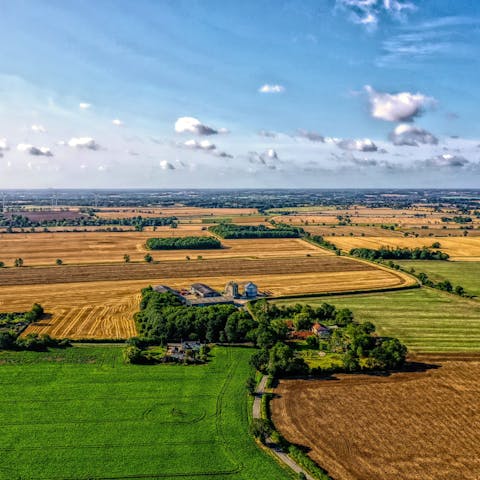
x=408, y=426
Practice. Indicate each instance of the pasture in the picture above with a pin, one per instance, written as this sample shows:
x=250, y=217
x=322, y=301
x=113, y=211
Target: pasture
x=466, y=274
x=81, y=413
x=406, y=426
x=459, y=248
x=426, y=320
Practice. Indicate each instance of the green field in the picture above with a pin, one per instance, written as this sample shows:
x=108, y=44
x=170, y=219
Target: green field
x=81, y=413
x=466, y=274
x=426, y=320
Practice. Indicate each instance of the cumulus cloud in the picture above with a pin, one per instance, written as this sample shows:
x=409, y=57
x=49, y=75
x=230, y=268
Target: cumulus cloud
x=117, y=122
x=397, y=107
x=271, y=154
x=38, y=128
x=164, y=165
x=32, y=150
x=3, y=144
x=447, y=160
x=369, y=12
x=268, y=88
x=363, y=145
x=312, y=136
x=406, y=134
x=203, y=145
x=84, y=105
x=193, y=125
x=84, y=142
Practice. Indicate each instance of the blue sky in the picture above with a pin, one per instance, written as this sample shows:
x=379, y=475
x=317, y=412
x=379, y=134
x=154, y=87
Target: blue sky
x=323, y=93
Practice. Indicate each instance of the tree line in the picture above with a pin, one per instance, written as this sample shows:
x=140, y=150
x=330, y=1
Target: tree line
x=398, y=253
x=178, y=243
x=232, y=231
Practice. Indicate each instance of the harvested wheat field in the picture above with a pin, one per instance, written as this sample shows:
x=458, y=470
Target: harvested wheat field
x=459, y=248
x=175, y=211
x=109, y=247
x=100, y=300
x=408, y=426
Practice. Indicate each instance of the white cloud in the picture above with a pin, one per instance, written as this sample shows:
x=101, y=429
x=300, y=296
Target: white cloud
x=83, y=142
x=84, y=105
x=271, y=154
x=203, y=145
x=397, y=107
x=369, y=12
x=117, y=122
x=193, y=125
x=406, y=134
x=164, y=165
x=38, y=128
x=3, y=144
x=447, y=160
x=268, y=88
x=32, y=150
x=363, y=145
x=267, y=133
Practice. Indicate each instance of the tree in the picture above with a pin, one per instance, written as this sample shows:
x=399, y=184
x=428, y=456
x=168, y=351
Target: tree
x=148, y=258
x=59, y=261
x=18, y=262
x=261, y=429
x=302, y=321
x=2, y=264
x=459, y=290
x=132, y=354
x=126, y=258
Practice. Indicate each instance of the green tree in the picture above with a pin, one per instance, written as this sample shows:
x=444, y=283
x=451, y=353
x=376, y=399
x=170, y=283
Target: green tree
x=126, y=258
x=58, y=261
x=2, y=264
x=18, y=262
x=261, y=429
x=148, y=258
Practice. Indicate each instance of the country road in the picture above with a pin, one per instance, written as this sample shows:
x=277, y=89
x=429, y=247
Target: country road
x=274, y=448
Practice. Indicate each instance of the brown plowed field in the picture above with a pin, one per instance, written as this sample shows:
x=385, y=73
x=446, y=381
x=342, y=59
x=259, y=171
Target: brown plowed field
x=409, y=426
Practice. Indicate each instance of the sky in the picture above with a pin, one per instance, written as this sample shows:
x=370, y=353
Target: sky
x=227, y=94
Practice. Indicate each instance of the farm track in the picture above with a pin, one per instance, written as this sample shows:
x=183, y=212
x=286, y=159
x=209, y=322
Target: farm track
x=178, y=269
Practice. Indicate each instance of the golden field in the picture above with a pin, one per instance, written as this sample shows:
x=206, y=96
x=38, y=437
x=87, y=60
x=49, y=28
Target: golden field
x=105, y=247
x=175, y=211
x=459, y=248
x=100, y=300
x=407, y=426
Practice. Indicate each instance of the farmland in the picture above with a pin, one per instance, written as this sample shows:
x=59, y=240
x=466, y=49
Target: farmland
x=466, y=274
x=425, y=320
x=459, y=248
x=407, y=426
x=103, y=299
x=82, y=413
x=107, y=247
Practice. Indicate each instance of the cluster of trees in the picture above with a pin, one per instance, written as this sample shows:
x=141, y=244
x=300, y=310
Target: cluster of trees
x=178, y=243
x=387, y=253
x=12, y=324
x=139, y=222
x=360, y=347
x=457, y=219
x=163, y=317
x=231, y=231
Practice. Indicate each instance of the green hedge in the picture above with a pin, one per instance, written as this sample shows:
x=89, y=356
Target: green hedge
x=187, y=243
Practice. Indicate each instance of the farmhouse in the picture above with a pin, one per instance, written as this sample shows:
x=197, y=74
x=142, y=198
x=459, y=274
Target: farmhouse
x=320, y=330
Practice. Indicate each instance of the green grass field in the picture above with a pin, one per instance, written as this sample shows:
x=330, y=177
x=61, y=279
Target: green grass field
x=81, y=413
x=426, y=320
x=466, y=274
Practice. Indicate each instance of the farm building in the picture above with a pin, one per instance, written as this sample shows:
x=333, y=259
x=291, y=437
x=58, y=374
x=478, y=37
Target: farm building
x=204, y=291
x=167, y=289
x=231, y=290
x=320, y=330
x=250, y=290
